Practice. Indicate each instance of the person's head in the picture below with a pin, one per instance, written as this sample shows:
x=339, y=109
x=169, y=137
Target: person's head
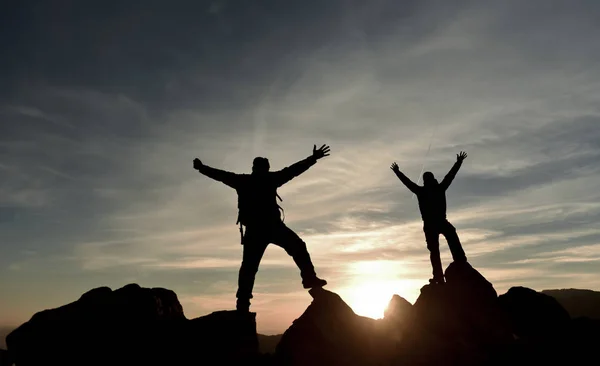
x=429, y=179
x=260, y=165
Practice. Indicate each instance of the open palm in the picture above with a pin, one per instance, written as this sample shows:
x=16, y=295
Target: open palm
x=320, y=152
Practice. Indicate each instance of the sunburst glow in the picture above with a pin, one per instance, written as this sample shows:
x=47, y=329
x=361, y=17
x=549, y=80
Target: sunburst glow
x=370, y=299
x=376, y=283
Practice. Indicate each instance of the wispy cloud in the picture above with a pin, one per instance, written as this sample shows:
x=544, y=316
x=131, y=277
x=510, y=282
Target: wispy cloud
x=96, y=151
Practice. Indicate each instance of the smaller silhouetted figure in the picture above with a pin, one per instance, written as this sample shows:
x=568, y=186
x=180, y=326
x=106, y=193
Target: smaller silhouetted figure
x=260, y=214
x=432, y=204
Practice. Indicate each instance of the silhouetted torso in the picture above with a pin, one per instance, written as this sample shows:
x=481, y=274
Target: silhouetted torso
x=431, y=196
x=432, y=203
x=257, y=192
x=257, y=199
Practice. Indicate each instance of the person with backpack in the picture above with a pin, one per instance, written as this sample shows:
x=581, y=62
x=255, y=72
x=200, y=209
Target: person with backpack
x=260, y=213
x=432, y=204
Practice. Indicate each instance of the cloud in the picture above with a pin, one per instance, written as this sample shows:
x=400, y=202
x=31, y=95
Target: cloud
x=100, y=126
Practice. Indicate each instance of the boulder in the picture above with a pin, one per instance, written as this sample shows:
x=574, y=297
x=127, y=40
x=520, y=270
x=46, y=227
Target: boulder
x=131, y=325
x=456, y=323
x=268, y=343
x=330, y=333
x=533, y=315
x=396, y=319
x=541, y=328
x=582, y=338
x=398, y=311
x=5, y=359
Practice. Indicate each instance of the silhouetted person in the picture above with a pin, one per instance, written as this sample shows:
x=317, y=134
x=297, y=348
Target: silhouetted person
x=260, y=214
x=432, y=204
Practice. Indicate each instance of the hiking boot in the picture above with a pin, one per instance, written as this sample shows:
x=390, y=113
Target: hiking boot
x=313, y=282
x=242, y=305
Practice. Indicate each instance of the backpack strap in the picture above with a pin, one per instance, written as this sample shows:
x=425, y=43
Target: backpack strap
x=241, y=229
x=280, y=208
x=241, y=234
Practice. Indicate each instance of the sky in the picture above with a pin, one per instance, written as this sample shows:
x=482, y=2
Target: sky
x=105, y=104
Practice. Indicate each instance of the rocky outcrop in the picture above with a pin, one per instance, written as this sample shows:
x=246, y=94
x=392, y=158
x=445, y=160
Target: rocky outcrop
x=268, y=343
x=462, y=322
x=5, y=359
x=456, y=323
x=534, y=315
x=330, y=333
x=398, y=311
x=131, y=325
x=541, y=328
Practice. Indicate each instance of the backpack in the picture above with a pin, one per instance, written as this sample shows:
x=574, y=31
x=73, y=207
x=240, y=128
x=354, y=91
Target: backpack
x=241, y=220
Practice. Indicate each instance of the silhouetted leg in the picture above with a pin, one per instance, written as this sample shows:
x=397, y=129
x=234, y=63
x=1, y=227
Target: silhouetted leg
x=449, y=231
x=254, y=248
x=432, y=237
x=296, y=247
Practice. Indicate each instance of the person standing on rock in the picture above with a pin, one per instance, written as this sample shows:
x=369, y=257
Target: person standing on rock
x=260, y=213
x=432, y=204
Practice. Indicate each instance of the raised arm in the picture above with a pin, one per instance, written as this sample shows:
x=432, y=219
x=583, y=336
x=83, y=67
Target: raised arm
x=286, y=174
x=228, y=178
x=452, y=173
x=414, y=188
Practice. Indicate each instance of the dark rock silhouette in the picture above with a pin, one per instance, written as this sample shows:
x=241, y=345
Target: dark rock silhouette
x=461, y=322
x=458, y=322
x=544, y=331
x=398, y=311
x=129, y=326
x=330, y=333
x=5, y=359
x=581, y=341
x=578, y=303
x=268, y=343
x=533, y=314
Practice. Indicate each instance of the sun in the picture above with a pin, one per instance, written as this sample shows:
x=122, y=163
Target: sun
x=371, y=299
x=371, y=285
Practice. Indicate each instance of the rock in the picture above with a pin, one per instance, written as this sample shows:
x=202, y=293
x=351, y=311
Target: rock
x=466, y=280
x=534, y=315
x=230, y=334
x=5, y=359
x=582, y=340
x=398, y=310
x=131, y=325
x=268, y=343
x=541, y=326
x=456, y=323
x=462, y=322
x=396, y=319
x=330, y=333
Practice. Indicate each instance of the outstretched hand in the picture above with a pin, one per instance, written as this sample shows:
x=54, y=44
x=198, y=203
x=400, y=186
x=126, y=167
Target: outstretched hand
x=462, y=156
x=395, y=168
x=321, y=152
x=197, y=164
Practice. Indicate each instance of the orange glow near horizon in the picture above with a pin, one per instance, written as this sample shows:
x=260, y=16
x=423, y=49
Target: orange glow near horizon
x=376, y=282
x=369, y=299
